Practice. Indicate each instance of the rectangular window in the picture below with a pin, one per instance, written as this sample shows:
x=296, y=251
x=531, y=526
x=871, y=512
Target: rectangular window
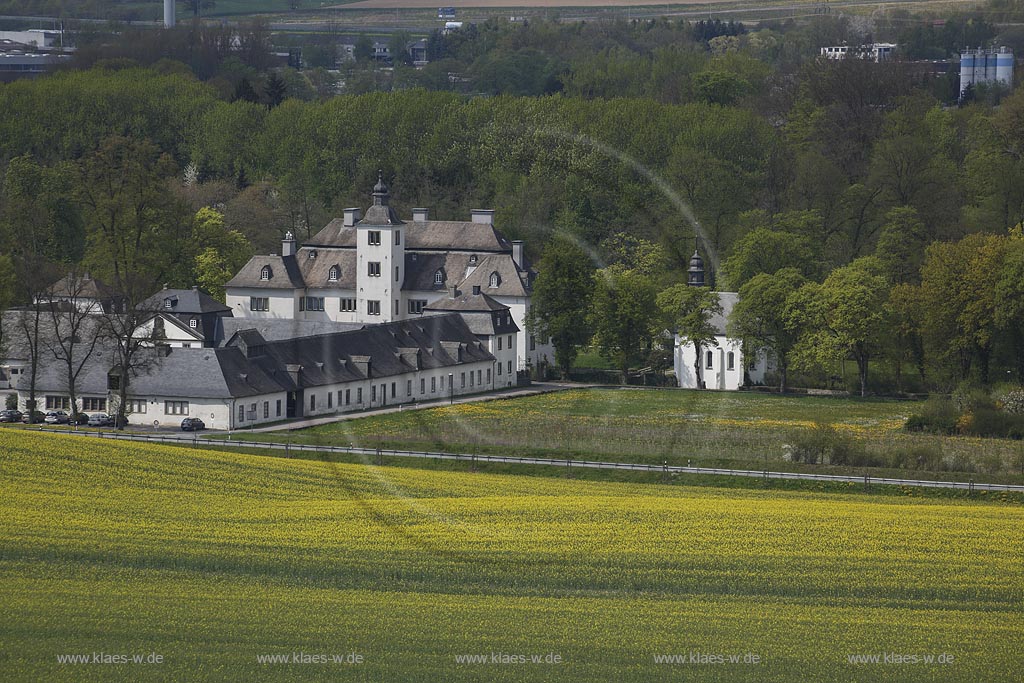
x=312, y=402
x=710, y=357
x=58, y=403
x=359, y=395
x=408, y=387
x=398, y=237
x=433, y=385
x=347, y=305
x=259, y=303
x=396, y=273
x=373, y=308
x=193, y=323
x=330, y=400
x=98, y=405
x=480, y=377
x=373, y=393
x=339, y=398
x=499, y=343
x=396, y=307
x=135, y=406
x=442, y=382
x=175, y=407
x=510, y=367
x=394, y=390
x=416, y=306
x=510, y=341
x=241, y=413
x=423, y=386
x=533, y=343
x=279, y=407
x=373, y=268
x=471, y=378
x=373, y=238
x=348, y=396
x=252, y=412
x=489, y=372
x=463, y=380
x=730, y=361
x=314, y=303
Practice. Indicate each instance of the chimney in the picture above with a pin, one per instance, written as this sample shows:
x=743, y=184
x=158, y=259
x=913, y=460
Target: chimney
x=476, y=290
x=288, y=244
x=517, y=254
x=421, y=215
x=352, y=216
x=485, y=216
x=453, y=292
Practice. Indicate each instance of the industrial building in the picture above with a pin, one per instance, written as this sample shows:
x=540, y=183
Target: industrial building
x=985, y=66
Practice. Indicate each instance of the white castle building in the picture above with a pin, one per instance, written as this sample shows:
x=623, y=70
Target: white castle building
x=377, y=268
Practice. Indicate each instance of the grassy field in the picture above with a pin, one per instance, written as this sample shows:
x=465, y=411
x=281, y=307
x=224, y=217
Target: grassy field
x=211, y=560
x=731, y=429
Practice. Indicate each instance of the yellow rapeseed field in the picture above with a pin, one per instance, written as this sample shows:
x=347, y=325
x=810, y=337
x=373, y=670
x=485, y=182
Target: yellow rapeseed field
x=214, y=559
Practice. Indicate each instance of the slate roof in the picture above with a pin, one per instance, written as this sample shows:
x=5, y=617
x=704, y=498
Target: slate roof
x=84, y=287
x=285, y=273
x=421, y=235
x=511, y=279
x=337, y=358
x=467, y=303
x=483, y=315
x=275, y=329
x=315, y=266
x=190, y=301
x=727, y=301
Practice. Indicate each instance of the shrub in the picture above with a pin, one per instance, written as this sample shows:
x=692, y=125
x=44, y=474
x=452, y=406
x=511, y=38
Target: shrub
x=938, y=416
x=823, y=444
x=1013, y=402
x=991, y=422
x=918, y=457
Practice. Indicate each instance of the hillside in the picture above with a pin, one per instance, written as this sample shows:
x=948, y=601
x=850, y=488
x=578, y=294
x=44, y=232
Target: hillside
x=214, y=559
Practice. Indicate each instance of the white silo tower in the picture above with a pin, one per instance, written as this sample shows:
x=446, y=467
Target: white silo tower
x=168, y=13
x=1004, y=65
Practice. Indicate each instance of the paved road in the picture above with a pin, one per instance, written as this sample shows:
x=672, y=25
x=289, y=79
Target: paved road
x=371, y=454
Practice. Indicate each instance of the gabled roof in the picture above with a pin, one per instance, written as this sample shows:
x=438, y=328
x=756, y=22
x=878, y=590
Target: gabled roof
x=464, y=303
x=512, y=281
x=285, y=273
x=82, y=287
x=275, y=329
x=727, y=300
x=179, y=301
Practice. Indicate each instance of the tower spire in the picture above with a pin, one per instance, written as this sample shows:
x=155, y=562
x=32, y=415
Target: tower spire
x=380, y=191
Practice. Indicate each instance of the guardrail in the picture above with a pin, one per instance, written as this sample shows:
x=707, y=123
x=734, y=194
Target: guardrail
x=378, y=453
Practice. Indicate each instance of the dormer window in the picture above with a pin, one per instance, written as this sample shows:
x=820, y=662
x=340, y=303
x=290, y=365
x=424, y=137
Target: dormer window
x=439, y=277
x=472, y=260
x=193, y=323
x=167, y=303
x=266, y=273
x=333, y=273
x=495, y=280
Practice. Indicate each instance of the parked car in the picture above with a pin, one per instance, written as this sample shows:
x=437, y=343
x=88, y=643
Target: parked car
x=11, y=415
x=192, y=424
x=100, y=420
x=33, y=417
x=56, y=417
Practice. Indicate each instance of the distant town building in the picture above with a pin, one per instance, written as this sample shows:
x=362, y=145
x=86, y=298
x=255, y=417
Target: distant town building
x=986, y=66
x=876, y=52
x=38, y=38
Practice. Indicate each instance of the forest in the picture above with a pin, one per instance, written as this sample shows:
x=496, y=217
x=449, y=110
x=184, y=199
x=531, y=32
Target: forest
x=873, y=221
